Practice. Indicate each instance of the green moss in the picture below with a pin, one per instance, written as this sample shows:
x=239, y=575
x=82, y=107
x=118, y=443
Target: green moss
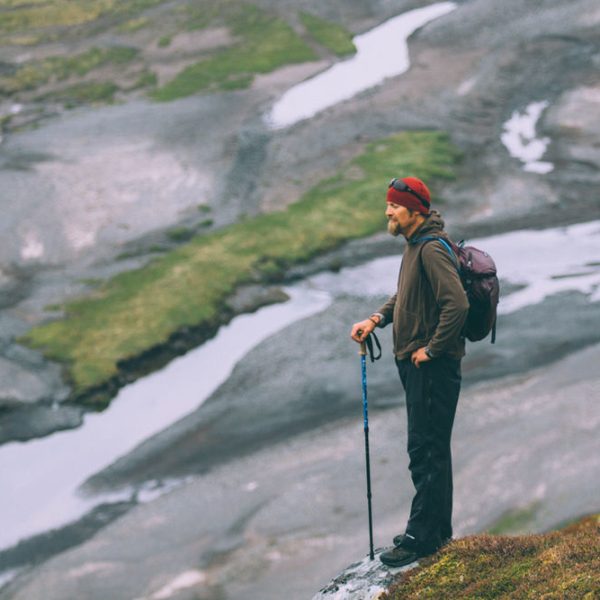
x=165, y=41
x=139, y=309
x=59, y=68
x=21, y=16
x=84, y=93
x=266, y=42
x=133, y=25
x=331, y=35
x=33, y=21
x=180, y=234
x=563, y=564
x=146, y=79
x=53, y=307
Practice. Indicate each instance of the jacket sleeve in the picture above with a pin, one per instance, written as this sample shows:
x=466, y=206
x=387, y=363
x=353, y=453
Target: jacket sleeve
x=449, y=294
x=387, y=310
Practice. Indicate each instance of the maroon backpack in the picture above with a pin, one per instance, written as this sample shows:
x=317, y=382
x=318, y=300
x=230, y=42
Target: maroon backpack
x=478, y=275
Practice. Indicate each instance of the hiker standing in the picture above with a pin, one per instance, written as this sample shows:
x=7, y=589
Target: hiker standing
x=427, y=312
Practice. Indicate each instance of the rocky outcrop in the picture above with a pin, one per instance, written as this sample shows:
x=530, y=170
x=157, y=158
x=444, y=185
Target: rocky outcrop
x=364, y=580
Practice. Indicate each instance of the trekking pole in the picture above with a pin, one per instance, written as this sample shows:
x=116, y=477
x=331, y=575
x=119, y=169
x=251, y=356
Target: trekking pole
x=363, y=365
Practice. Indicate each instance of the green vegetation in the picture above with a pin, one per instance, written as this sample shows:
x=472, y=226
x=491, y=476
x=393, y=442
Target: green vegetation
x=260, y=42
x=266, y=42
x=328, y=34
x=180, y=234
x=187, y=287
x=557, y=565
x=59, y=68
x=133, y=25
x=31, y=21
x=84, y=93
x=515, y=520
x=146, y=79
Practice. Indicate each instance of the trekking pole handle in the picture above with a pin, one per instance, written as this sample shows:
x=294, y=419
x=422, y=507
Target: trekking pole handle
x=363, y=349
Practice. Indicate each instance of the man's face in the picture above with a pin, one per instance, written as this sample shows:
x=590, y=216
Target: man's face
x=400, y=219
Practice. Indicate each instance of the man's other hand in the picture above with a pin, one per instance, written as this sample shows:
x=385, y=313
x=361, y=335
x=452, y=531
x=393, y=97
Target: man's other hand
x=360, y=331
x=419, y=356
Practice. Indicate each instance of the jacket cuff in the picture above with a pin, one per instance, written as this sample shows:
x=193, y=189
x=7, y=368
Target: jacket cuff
x=382, y=322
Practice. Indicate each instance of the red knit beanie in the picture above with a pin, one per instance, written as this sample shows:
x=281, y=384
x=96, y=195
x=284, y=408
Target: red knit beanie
x=408, y=199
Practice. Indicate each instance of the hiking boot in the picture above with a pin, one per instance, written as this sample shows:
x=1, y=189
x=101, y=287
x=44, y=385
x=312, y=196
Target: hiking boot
x=398, y=539
x=398, y=557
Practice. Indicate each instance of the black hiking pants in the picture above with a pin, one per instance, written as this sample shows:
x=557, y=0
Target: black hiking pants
x=431, y=397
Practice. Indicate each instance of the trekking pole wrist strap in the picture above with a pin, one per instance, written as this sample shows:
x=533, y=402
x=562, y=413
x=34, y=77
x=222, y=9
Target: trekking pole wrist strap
x=369, y=343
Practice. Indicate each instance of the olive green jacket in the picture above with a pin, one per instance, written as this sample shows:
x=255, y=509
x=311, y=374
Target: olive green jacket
x=430, y=306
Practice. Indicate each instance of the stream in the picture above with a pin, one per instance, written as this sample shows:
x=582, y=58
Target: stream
x=380, y=53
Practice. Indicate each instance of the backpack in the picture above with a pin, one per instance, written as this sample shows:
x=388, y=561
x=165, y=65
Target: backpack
x=477, y=272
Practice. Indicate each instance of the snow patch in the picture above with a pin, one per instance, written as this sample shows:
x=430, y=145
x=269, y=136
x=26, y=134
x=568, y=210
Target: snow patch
x=520, y=139
x=32, y=248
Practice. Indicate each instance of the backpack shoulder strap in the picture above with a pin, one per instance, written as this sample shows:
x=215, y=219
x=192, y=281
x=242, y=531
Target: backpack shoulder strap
x=428, y=238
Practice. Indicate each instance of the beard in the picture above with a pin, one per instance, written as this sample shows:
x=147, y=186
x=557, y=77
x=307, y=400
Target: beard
x=394, y=228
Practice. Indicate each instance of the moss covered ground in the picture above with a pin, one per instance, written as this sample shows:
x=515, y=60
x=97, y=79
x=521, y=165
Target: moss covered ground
x=265, y=42
x=29, y=22
x=560, y=565
x=260, y=42
x=187, y=287
x=330, y=35
x=35, y=73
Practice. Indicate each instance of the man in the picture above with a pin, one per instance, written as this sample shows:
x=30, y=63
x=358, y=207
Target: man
x=427, y=312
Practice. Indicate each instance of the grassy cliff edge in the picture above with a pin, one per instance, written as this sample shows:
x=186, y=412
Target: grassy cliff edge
x=557, y=565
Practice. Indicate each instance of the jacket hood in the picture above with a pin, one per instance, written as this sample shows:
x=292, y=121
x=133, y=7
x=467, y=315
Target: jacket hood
x=433, y=224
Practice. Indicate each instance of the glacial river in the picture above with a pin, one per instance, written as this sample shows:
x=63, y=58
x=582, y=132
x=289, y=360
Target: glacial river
x=381, y=52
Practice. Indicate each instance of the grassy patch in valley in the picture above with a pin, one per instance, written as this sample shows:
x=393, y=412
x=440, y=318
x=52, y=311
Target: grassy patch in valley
x=33, y=21
x=59, y=68
x=556, y=565
x=330, y=35
x=140, y=309
x=265, y=43
x=92, y=92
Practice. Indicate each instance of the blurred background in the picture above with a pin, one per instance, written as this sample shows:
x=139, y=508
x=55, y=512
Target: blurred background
x=192, y=195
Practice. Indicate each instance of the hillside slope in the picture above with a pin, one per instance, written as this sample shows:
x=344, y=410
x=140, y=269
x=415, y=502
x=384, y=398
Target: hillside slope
x=559, y=564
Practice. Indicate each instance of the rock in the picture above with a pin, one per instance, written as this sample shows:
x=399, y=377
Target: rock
x=29, y=422
x=364, y=580
x=27, y=378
